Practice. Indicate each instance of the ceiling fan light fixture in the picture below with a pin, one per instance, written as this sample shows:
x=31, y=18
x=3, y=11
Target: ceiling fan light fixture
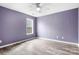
x=38, y=9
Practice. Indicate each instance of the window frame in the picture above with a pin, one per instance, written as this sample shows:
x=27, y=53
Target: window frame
x=29, y=19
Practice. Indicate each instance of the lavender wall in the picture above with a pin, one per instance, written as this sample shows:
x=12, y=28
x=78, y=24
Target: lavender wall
x=78, y=25
x=13, y=26
x=59, y=24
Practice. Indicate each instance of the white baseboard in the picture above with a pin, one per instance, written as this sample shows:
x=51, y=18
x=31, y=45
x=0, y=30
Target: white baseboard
x=39, y=38
x=58, y=41
x=15, y=42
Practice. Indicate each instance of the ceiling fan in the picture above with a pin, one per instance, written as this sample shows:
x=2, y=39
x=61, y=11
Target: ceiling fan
x=38, y=6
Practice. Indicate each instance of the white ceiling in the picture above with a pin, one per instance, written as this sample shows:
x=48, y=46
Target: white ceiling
x=46, y=8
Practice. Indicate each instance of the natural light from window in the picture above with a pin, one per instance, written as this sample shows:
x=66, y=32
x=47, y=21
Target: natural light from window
x=29, y=26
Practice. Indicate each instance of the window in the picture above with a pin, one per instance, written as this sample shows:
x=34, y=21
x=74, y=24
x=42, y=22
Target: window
x=29, y=26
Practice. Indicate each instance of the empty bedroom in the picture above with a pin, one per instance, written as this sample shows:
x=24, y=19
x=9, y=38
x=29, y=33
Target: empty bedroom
x=39, y=29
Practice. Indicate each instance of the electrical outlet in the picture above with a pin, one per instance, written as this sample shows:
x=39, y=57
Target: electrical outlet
x=57, y=37
x=62, y=37
x=0, y=41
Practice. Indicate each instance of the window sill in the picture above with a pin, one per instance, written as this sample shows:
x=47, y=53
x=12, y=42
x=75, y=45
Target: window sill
x=29, y=33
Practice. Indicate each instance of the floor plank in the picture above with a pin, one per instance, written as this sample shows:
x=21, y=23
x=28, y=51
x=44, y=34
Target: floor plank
x=40, y=47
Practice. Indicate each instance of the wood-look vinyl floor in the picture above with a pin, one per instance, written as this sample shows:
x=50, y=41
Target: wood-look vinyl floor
x=40, y=47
